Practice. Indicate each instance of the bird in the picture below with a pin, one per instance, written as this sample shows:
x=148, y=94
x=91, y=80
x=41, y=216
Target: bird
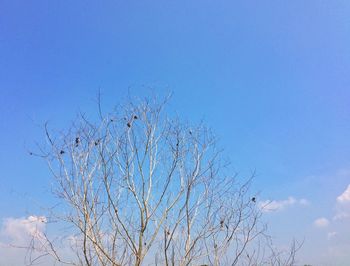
x=77, y=141
x=128, y=124
x=97, y=142
x=222, y=223
x=253, y=199
x=62, y=152
x=135, y=117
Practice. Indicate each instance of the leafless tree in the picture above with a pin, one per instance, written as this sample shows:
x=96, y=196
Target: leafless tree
x=142, y=188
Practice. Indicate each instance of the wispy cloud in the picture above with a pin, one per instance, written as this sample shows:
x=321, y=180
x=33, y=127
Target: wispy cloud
x=341, y=215
x=278, y=205
x=321, y=222
x=332, y=235
x=345, y=196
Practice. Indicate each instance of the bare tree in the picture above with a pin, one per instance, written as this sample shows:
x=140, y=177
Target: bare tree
x=141, y=188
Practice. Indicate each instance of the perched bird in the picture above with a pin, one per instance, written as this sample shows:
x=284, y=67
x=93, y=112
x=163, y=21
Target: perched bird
x=135, y=117
x=253, y=199
x=97, y=142
x=128, y=124
x=222, y=223
x=77, y=141
x=62, y=152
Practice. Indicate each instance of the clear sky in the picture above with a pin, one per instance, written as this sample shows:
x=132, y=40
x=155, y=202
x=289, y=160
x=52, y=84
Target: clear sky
x=270, y=77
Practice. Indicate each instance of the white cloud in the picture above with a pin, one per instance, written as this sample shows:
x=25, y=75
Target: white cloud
x=345, y=196
x=19, y=230
x=16, y=236
x=343, y=205
x=335, y=228
x=321, y=222
x=278, y=205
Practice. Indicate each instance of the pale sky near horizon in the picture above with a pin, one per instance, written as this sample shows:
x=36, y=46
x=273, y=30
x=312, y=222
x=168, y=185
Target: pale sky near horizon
x=270, y=77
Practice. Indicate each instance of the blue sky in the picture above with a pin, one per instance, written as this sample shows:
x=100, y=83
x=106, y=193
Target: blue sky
x=270, y=77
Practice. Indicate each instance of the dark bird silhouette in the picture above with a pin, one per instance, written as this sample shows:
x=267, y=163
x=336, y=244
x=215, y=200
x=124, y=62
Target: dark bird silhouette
x=62, y=152
x=253, y=199
x=222, y=223
x=128, y=124
x=77, y=141
x=97, y=142
x=135, y=117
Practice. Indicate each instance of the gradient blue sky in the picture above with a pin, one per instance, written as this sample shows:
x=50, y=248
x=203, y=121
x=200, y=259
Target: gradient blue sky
x=270, y=77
